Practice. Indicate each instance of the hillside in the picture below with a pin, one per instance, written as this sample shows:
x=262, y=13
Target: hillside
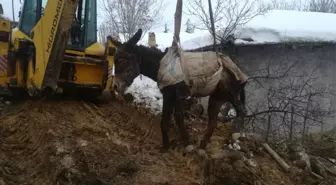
x=74, y=142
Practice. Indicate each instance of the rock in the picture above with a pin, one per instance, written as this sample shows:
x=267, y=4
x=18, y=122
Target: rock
x=332, y=170
x=219, y=154
x=8, y=103
x=235, y=136
x=197, y=109
x=251, y=163
x=68, y=161
x=296, y=146
x=128, y=167
x=201, y=152
x=82, y=143
x=256, y=138
x=244, y=148
x=236, y=146
x=250, y=154
x=317, y=167
x=128, y=97
x=234, y=156
x=301, y=164
x=239, y=165
x=189, y=148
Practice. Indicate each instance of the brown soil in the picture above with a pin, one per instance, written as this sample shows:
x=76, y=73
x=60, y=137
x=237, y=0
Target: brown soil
x=67, y=142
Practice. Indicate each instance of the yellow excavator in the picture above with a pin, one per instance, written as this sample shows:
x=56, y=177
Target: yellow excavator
x=54, y=49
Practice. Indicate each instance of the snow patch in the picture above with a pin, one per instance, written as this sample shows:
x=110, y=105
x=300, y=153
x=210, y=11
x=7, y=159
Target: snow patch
x=146, y=92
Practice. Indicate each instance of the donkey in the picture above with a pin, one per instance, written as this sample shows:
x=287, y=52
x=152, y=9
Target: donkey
x=132, y=60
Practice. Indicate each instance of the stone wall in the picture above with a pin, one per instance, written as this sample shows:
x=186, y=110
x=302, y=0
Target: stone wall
x=306, y=56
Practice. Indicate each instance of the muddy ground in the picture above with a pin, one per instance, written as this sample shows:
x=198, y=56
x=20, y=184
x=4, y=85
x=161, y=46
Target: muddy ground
x=64, y=141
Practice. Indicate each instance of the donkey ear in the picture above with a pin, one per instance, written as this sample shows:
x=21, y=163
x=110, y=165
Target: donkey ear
x=135, y=39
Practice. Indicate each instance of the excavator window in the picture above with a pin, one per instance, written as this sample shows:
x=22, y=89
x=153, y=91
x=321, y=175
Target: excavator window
x=84, y=28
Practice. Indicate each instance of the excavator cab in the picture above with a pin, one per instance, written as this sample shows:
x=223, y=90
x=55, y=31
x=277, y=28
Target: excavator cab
x=83, y=31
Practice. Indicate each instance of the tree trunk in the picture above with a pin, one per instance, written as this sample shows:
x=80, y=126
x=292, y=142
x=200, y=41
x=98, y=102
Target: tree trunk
x=291, y=125
x=268, y=127
x=305, y=119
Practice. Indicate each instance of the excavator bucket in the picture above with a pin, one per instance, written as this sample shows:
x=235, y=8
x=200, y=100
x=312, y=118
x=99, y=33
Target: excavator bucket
x=49, y=47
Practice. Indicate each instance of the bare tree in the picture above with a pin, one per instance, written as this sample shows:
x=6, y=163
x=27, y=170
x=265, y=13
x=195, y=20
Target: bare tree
x=127, y=16
x=104, y=30
x=327, y=6
x=299, y=5
x=228, y=14
x=295, y=99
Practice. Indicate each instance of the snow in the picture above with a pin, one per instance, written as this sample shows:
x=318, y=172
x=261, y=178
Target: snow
x=146, y=92
x=287, y=25
x=274, y=27
x=279, y=26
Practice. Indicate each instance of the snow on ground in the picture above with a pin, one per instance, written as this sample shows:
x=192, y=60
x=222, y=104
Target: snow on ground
x=146, y=92
x=275, y=26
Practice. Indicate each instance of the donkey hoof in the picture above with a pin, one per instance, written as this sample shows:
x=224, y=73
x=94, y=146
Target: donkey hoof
x=189, y=148
x=201, y=152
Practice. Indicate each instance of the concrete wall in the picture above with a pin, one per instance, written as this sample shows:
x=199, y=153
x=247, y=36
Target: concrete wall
x=306, y=56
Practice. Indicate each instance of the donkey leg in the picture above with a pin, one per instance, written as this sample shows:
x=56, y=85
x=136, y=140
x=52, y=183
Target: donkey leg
x=240, y=109
x=167, y=110
x=179, y=118
x=213, y=110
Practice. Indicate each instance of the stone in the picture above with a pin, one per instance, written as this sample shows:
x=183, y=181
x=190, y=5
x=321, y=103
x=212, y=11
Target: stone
x=128, y=97
x=332, y=170
x=236, y=146
x=189, y=148
x=301, y=164
x=244, y=148
x=317, y=166
x=201, y=152
x=251, y=163
x=296, y=147
x=236, y=136
x=234, y=156
x=68, y=161
x=256, y=138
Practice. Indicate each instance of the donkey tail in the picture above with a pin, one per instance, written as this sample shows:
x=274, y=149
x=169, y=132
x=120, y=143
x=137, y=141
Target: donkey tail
x=242, y=95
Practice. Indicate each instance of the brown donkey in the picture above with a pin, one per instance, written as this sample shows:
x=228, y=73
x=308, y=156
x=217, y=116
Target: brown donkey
x=132, y=60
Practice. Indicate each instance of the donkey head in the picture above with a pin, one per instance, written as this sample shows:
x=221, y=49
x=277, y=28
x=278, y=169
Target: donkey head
x=126, y=65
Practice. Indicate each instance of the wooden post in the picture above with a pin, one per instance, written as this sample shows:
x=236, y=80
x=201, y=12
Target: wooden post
x=212, y=24
x=178, y=19
x=277, y=158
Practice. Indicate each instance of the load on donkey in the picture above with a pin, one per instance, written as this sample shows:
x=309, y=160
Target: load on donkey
x=179, y=75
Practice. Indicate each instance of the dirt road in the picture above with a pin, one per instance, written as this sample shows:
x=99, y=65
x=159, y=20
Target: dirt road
x=76, y=142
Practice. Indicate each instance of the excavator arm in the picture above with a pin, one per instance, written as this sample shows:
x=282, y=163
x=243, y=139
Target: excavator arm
x=50, y=36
